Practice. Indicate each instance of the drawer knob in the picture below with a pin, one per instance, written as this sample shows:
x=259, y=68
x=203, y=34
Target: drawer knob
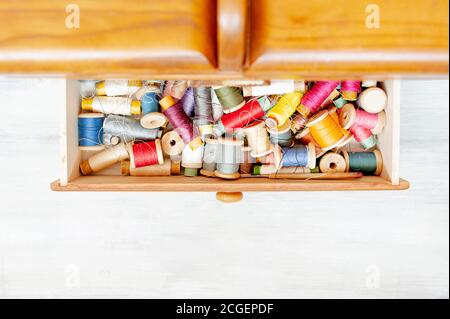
x=229, y=197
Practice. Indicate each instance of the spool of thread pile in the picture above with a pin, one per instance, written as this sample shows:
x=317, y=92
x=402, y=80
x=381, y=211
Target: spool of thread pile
x=90, y=130
x=230, y=98
x=364, y=136
x=350, y=90
x=124, y=129
x=203, y=110
x=146, y=153
x=281, y=135
x=332, y=163
x=283, y=109
x=314, y=99
x=229, y=158
x=326, y=132
x=249, y=113
x=112, y=105
x=258, y=139
x=181, y=122
x=118, y=87
x=210, y=157
x=192, y=160
x=357, y=117
x=368, y=163
x=105, y=159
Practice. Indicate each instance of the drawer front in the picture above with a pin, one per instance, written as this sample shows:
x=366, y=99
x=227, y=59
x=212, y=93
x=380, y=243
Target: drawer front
x=71, y=157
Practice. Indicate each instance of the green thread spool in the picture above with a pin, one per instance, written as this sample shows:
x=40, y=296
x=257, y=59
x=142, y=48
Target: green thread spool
x=368, y=163
x=230, y=98
x=339, y=102
x=229, y=158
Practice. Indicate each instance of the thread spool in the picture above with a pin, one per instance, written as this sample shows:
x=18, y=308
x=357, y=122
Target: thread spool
x=326, y=132
x=313, y=99
x=372, y=100
x=188, y=102
x=246, y=166
x=272, y=169
x=368, y=163
x=229, y=158
x=283, y=109
x=87, y=88
x=172, y=143
x=176, y=89
x=339, y=102
x=117, y=87
x=180, y=121
x=299, y=155
x=249, y=113
x=210, y=157
x=258, y=139
x=90, y=131
x=298, y=123
x=276, y=87
x=154, y=120
x=111, y=105
x=369, y=83
x=150, y=103
x=104, y=159
x=281, y=135
x=120, y=128
x=230, y=98
x=165, y=169
x=192, y=160
x=148, y=88
x=364, y=136
x=350, y=90
x=357, y=117
x=332, y=163
x=203, y=110
x=146, y=153
x=217, y=107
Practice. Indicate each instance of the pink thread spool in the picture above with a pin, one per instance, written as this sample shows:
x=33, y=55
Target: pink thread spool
x=350, y=90
x=364, y=136
x=350, y=116
x=315, y=97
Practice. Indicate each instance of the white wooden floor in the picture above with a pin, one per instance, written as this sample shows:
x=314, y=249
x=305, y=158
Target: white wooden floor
x=292, y=245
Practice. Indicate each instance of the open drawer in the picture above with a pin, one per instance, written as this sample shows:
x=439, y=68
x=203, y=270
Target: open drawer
x=71, y=156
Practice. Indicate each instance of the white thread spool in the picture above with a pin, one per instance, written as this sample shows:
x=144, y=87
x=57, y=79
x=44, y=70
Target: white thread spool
x=118, y=87
x=112, y=105
x=332, y=163
x=172, y=144
x=104, y=159
x=258, y=139
x=372, y=100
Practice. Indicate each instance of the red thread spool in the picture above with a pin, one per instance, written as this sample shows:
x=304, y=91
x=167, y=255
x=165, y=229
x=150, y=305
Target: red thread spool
x=350, y=90
x=314, y=98
x=147, y=154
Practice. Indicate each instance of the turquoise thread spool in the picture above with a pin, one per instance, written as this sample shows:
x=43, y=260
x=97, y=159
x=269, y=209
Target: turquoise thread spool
x=368, y=163
x=229, y=158
x=90, y=129
x=150, y=103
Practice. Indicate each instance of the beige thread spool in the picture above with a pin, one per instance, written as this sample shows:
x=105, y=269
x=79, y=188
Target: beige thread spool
x=258, y=139
x=172, y=143
x=372, y=100
x=104, y=159
x=167, y=169
x=154, y=120
x=332, y=163
x=117, y=87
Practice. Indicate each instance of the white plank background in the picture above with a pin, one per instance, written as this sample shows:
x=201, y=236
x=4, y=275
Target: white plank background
x=293, y=245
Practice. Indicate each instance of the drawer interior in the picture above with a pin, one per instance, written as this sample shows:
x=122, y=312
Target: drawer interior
x=112, y=180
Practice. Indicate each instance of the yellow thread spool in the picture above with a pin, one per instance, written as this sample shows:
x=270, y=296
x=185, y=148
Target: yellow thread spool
x=326, y=131
x=283, y=110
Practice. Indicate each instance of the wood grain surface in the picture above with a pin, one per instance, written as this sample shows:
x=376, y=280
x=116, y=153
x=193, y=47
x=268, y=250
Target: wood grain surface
x=318, y=38
x=113, y=38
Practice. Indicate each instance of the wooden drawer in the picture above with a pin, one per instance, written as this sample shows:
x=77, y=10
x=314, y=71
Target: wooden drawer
x=71, y=156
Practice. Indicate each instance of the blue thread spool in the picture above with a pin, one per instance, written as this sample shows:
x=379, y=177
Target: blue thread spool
x=281, y=135
x=90, y=129
x=299, y=156
x=229, y=158
x=150, y=103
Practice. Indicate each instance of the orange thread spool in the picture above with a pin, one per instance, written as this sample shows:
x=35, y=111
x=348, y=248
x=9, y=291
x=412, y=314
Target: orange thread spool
x=326, y=131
